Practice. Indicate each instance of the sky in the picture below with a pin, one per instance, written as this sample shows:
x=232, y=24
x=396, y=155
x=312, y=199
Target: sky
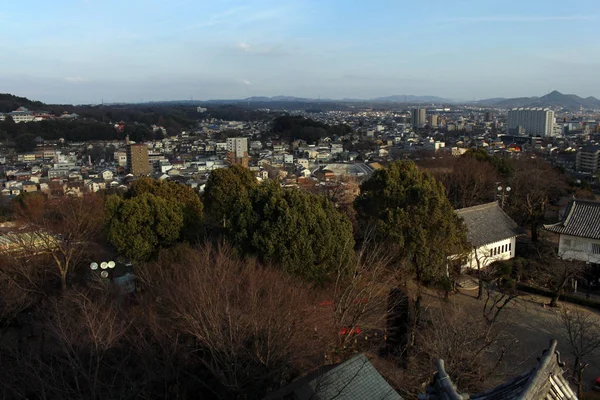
x=89, y=51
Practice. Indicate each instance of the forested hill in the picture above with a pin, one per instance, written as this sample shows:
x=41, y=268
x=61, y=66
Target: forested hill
x=9, y=102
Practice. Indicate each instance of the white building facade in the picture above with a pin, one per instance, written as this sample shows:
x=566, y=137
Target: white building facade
x=579, y=231
x=491, y=233
x=535, y=121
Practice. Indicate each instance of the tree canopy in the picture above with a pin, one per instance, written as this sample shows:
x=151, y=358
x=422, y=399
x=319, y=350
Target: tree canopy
x=189, y=202
x=225, y=187
x=301, y=232
x=408, y=209
x=141, y=225
x=297, y=127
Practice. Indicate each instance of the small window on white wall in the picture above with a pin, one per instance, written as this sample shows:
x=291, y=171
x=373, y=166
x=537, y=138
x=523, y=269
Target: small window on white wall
x=595, y=248
x=567, y=242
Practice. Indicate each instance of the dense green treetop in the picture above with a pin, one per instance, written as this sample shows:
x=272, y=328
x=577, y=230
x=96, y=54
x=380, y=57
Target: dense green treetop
x=189, y=201
x=408, y=209
x=224, y=188
x=139, y=226
x=303, y=233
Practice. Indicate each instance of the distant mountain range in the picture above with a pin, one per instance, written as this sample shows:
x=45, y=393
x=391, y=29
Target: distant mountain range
x=552, y=99
x=408, y=99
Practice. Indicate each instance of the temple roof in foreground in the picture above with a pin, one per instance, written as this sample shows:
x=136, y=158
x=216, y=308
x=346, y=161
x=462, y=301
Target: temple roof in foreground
x=545, y=381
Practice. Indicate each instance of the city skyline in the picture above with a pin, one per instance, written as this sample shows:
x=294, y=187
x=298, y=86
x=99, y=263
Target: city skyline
x=86, y=51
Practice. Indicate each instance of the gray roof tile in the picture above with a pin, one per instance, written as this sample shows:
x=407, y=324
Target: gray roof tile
x=582, y=218
x=487, y=223
x=355, y=379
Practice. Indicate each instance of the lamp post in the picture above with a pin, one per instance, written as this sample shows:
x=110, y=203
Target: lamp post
x=104, y=267
x=503, y=194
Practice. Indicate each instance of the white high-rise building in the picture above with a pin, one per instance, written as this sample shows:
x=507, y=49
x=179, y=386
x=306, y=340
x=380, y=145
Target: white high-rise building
x=535, y=121
x=237, y=151
x=238, y=146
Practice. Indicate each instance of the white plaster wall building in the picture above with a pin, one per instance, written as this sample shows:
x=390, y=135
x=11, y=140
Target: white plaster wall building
x=579, y=231
x=491, y=232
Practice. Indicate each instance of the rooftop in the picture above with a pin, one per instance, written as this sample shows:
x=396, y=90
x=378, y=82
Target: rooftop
x=581, y=218
x=545, y=381
x=355, y=379
x=487, y=223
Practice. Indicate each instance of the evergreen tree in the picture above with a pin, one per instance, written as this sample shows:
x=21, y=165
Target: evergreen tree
x=408, y=209
x=141, y=225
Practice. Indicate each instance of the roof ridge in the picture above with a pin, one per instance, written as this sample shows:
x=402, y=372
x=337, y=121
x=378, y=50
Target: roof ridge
x=478, y=206
x=587, y=201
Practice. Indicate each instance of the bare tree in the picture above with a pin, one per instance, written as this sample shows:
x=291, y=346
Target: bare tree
x=557, y=273
x=63, y=228
x=581, y=328
x=79, y=354
x=471, y=182
x=360, y=294
x=496, y=300
x=535, y=184
x=471, y=348
x=22, y=283
x=243, y=320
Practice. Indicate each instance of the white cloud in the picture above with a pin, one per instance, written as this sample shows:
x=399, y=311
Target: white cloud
x=75, y=79
x=245, y=47
x=522, y=18
x=248, y=48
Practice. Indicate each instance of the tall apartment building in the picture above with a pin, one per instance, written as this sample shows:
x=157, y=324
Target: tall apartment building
x=419, y=116
x=588, y=159
x=237, y=151
x=137, y=159
x=535, y=121
x=433, y=120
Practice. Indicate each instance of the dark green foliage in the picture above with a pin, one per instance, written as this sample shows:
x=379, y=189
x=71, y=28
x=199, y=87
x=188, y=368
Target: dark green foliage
x=25, y=143
x=296, y=127
x=503, y=165
x=77, y=130
x=182, y=195
x=225, y=187
x=9, y=102
x=141, y=225
x=409, y=210
x=301, y=232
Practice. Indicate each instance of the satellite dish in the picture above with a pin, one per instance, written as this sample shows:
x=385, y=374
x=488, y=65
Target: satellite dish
x=94, y=265
x=104, y=274
x=499, y=188
x=508, y=188
x=111, y=264
x=104, y=265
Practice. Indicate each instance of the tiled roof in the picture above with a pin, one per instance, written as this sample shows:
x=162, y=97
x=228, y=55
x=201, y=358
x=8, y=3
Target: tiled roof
x=545, y=381
x=582, y=218
x=355, y=379
x=487, y=223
